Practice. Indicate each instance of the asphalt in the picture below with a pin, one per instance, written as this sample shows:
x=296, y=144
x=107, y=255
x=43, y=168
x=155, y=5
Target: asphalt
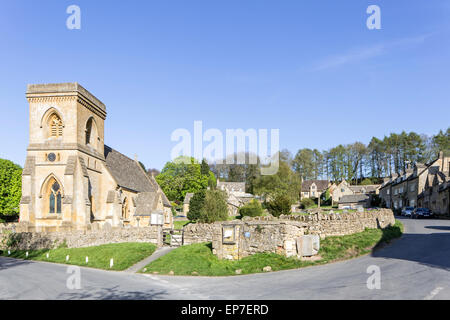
x=417, y=266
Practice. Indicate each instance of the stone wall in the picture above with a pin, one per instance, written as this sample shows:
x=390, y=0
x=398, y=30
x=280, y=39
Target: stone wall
x=240, y=238
x=256, y=236
x=76, y=239
x=197, y=233
x=338, y=224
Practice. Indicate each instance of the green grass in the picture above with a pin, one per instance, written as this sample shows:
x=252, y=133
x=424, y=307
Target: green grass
x=199, y=259
x=124, y=254
x=180, y=224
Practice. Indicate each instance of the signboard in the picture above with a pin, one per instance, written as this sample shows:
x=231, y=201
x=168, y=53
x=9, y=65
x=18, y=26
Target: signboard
x=156, y=219
x=228, y=235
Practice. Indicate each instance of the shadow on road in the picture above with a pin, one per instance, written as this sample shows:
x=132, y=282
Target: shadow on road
x=428, y=249
x=6, y=263
x=439, y=228
x=112, y=293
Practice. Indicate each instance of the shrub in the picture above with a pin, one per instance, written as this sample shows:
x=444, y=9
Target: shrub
x=281, y=204
x=306, y=203
x=251, y=209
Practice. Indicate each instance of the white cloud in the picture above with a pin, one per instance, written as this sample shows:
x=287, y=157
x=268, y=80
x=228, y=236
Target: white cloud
x=365, y=53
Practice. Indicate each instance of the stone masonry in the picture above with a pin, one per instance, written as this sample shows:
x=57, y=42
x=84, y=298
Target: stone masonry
x=240, y=238
x=78, y=238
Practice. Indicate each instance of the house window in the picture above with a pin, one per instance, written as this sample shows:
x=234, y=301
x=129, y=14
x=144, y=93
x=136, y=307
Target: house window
x=54, y=198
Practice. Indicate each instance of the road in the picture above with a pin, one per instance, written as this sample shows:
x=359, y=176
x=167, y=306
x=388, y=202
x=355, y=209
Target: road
x=417, y=266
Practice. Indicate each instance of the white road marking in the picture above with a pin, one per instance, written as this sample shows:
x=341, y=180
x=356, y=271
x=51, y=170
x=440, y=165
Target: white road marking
x=433, y=293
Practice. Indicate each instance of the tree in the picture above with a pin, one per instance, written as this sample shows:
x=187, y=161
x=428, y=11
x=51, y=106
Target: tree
x=284, y=182
x=10, y=187
x=182, y=176
x=204, y=169
x=153, y=172
x=196, y=205
x=441, y=142
x=215, y=207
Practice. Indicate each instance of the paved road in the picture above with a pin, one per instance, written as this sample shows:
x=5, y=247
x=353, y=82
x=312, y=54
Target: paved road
x=417, y=266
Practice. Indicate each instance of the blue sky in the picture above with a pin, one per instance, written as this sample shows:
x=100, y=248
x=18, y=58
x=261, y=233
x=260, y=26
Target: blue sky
x=309, y=68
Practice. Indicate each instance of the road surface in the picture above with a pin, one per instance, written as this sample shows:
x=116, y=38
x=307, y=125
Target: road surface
x=417, y=266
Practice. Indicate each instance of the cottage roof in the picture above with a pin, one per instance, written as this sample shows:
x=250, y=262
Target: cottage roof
x=231, y=186
x=320, y=184
x=365, y=188
x=352, y=198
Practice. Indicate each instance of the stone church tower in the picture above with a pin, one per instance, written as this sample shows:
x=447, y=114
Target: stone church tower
x=71, y=180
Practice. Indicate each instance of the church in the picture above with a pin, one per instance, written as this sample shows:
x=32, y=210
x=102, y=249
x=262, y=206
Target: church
x=72, y=180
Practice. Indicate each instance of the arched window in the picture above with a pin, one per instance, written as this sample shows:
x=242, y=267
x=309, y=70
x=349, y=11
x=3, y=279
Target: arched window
x=55, y=126
x=54, y=197
x=125, y=209
x=91, y=133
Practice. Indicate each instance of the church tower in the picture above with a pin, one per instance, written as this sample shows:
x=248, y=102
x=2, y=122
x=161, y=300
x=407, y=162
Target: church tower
x=62, y=183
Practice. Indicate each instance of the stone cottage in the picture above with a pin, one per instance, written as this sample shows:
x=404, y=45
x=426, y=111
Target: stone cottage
x=71, y=180
x=236, y=195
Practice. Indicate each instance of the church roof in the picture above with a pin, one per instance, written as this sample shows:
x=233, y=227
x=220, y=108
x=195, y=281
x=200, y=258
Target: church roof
x=146, y=203
x=127, y=172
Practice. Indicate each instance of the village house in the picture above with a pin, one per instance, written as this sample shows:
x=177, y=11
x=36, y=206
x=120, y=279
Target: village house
x=345, y=189
x=340, y=190
x=314, y=188
x=236, y=195
x=354, y=201
x=72, y=180
x=425, y=185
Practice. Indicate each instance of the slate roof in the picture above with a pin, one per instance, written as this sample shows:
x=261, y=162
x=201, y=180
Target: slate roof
x=146, y=203
x=127, y=172
x=231, y=186
x=364, y=189
x=321, y=184
x=354, y=198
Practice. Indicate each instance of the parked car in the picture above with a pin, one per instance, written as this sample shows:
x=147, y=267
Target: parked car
x=407, y=211
x=421, y=213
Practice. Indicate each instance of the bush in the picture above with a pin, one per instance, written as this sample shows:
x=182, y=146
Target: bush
x=281, y=204
x=251, y=209
x=306, y=203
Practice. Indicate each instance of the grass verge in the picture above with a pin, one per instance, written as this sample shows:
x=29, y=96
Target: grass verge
x=198, y=258
x=124, y=255
x=179, y=224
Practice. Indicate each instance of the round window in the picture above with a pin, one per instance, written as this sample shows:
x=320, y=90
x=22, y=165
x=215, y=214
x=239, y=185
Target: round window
x=51, y=157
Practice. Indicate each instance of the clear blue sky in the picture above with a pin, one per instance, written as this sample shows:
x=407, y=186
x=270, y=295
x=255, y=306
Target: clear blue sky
x=309, y=68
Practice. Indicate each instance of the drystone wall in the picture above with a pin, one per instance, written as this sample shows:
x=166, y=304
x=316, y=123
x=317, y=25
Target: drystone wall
x=11, y=238
x=240, y=238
